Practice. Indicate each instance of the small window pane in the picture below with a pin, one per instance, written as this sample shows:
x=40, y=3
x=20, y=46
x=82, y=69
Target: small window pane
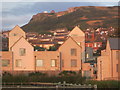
x=39, y=63
x=18, y=63
x=22, y=51
x=117, y=67
x=5, y=63
x=87, y=55
x=73, y=63
x=53, y=63
x=73, y=52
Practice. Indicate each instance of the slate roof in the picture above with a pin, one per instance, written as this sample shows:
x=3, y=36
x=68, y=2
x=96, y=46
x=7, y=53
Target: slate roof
x=114, y=43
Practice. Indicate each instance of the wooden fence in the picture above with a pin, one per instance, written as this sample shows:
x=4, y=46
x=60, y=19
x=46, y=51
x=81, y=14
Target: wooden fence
x=48, y=85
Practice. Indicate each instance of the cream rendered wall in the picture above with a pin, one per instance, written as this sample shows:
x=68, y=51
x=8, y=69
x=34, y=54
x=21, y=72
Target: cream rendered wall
x=18, y=32
x=114, y=62
x=65, y=50
x=107, y=70
x=79, y=36
x=27, y=60
x=47, y=56
x=103, y=66
x=8, y=56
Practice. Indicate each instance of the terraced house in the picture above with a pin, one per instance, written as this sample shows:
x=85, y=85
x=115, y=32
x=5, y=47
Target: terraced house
x=70, y=56
x=22, y=57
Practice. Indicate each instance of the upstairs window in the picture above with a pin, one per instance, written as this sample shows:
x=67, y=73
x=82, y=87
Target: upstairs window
x=5, y=63
x=73, y=52
x=87, y=55
x=95, y=44
x=22, y=51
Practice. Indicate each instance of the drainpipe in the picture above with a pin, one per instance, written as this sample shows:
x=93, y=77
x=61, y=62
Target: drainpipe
x=101, y=70
x=12, y=62
x=111, y=64
x=60, y=58
x=35, y=64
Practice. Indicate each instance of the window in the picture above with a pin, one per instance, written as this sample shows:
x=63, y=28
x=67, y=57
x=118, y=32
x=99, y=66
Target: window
x=117, y=55
x=73, y=63
x=53, y=63
x=18, y=63
x=95, y=44
x=87, y=74
x=39, y=63
x=73, y=52
x=62, y=63
x=117, y=67
x=22, y=51
x=87, y=55
x=5, y=63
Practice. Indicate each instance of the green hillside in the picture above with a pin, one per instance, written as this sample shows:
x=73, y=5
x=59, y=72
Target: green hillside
x=85, y=17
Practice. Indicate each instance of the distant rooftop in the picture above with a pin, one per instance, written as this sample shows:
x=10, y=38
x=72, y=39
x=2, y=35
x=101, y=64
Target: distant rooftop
x=114, y=43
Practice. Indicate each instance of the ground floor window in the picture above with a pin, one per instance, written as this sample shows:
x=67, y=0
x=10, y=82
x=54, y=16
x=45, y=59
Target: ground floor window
x=53, y=63
x=39, y=63
x=5, y=63
x=117, y=67
x=73, y=63
x=18, y=63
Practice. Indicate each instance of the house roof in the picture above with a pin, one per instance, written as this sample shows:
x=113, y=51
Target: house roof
x=114, y=43
x=77, y=31
x=68, y=39
x=18, y=41
x=17, y=28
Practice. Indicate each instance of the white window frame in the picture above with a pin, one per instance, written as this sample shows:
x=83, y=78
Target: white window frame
x=39, y=63
x=53, y=63
x=4, y=64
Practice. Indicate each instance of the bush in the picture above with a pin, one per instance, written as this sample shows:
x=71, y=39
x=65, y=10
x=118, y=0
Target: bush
x=6, y=74
x=37, y=74
x=67, y=73
x=105, y=84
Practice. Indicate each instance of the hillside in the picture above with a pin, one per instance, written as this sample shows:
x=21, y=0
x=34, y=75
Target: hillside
x=85, y=17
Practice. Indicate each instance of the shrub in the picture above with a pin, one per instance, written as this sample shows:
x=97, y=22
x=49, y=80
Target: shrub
x=104, y=84
x=37, y=74
x=67, y=73
x=6, y=74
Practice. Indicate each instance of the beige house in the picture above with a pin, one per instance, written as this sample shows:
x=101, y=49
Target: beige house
x=108, y=63
x=15, y=34
x=70, y=56
x=22, y=57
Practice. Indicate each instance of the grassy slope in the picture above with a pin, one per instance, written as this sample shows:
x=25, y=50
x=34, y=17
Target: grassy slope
x=44, y=23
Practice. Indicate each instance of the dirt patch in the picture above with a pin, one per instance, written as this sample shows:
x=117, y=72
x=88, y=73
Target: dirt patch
x=93, y=22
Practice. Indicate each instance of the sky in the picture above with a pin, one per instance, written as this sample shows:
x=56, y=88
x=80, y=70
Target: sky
x=18, y=12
